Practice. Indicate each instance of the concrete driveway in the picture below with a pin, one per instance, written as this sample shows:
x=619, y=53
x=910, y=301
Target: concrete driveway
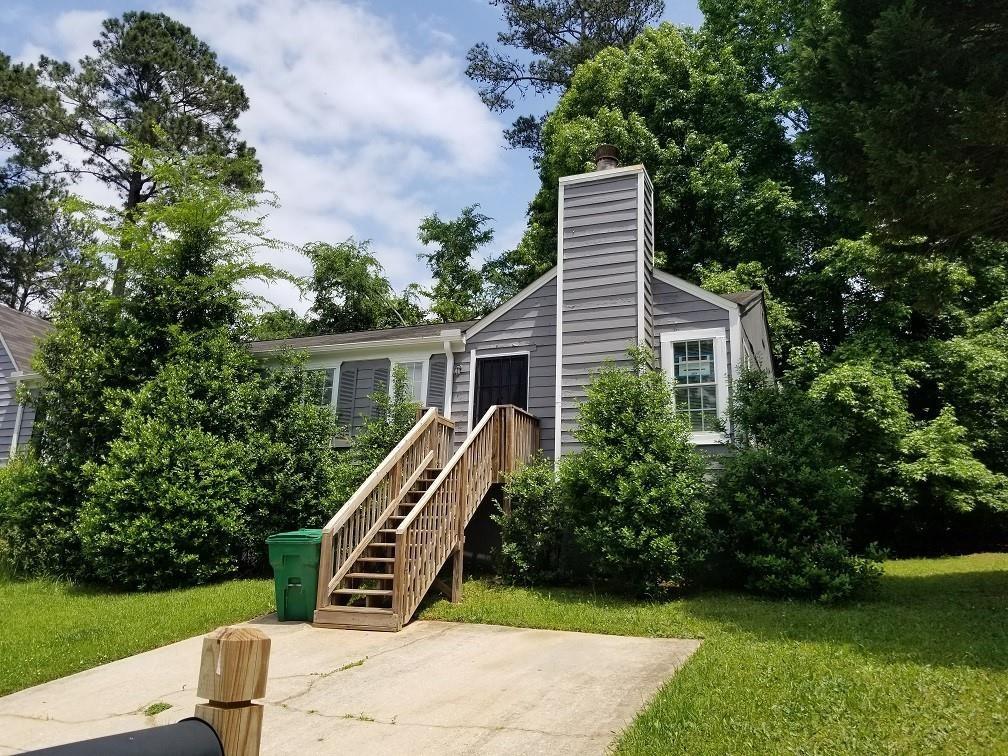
x=435, y=687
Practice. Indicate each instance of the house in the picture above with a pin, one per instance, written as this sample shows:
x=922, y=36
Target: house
x=539, y=349
x=500, y=387
x=19, y=336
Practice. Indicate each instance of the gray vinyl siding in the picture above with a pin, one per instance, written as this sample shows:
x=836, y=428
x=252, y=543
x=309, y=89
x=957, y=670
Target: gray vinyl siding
x=8, y=404
x=757, y=340
x=676, y=309
x=530, y=326
x=358, y=380
x=601, y=280
x=436, y=381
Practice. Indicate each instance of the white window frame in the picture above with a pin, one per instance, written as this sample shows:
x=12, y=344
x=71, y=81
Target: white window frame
x=335, y=383
x=486, y=354
x=721, y=368
x=424, y=363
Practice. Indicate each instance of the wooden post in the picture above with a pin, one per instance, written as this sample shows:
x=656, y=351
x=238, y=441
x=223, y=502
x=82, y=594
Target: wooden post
x=232, y=673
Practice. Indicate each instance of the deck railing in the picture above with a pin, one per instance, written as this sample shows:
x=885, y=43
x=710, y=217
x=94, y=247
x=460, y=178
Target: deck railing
x=502, y=441
x=345, y=536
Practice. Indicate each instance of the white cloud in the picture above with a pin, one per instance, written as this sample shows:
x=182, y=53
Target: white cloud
x=359, y=132
x=355, y=131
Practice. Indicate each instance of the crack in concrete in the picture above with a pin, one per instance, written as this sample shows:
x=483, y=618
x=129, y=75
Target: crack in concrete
x=396, y=722
x=315, y=677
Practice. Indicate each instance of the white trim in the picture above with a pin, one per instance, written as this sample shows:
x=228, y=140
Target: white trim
x=424, y=372
x=415, y=342
x=558, y=404
x=449, y=379
x=10, y=354
x=624, y=170
x=484, y=356
x=641, y=325
x=735, y=328
x=17, y=430
x=696, y=291
x=472, y=389
x=518, y=298
x=724, y=372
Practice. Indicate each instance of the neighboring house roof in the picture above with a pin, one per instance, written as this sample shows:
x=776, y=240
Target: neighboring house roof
x=20, y=332
x=382, y=336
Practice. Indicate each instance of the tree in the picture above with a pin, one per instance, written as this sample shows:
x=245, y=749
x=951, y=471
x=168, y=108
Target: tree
x=352, y=292
x=559, y=35
x=40, y=246
x=904, y=96
x=152, y=82
x=138, y=387
x=458, y=292
x=730, y=185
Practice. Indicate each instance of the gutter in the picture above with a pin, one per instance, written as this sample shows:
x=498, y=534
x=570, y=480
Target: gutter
x=451, y=336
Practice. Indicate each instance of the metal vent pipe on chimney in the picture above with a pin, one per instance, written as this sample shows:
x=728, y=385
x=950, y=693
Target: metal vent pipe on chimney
x=606, y=156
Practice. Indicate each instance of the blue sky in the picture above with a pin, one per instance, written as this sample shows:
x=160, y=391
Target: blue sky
x=360, y=112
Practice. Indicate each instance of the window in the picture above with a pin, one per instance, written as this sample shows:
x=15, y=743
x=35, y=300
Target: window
x=696, y=363
x=322, y=386
x=414, y=378
x=695, y=383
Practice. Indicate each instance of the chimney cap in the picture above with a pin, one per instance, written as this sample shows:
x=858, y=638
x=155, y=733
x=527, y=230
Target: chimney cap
x=606, y=156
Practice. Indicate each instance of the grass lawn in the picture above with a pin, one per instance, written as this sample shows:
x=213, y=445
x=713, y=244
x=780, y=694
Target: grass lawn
x=50, y=629
x=920, y=667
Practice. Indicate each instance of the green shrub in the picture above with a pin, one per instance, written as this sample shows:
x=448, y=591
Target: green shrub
x=781, y=516
x=532, y=526
x=636, y=490
x=37, y=534
x=215, y=454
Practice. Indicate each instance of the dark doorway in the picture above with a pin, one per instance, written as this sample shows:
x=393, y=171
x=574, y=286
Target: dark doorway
x=500, y=380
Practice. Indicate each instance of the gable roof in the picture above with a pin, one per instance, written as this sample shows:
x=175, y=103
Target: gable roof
x=21, y=332
x=382, y=336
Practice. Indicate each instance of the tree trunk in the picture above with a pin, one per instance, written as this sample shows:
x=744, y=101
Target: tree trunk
x=132, y=200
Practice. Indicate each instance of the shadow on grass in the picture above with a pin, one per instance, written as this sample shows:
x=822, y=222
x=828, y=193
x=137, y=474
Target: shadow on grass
x=947, y=619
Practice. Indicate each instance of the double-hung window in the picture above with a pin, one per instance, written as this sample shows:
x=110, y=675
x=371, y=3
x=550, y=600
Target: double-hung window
x=696, y=363
x=321, y=385
x=414, y=379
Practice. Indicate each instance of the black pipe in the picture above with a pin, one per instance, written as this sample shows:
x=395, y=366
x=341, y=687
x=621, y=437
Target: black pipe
x=190, y=737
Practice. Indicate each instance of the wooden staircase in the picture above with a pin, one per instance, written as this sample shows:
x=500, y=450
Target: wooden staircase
x=384, y=549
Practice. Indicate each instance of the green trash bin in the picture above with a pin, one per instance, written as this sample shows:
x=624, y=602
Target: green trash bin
x=295, y=560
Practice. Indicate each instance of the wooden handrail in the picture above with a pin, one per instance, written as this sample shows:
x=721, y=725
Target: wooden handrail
x=345, y=535
x=504, y=438
x=378, y=473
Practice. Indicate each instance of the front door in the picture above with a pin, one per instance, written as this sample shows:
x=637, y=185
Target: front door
x=500, y=380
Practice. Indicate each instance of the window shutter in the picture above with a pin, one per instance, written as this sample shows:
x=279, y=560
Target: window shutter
x=345, y=397
x=381, y=383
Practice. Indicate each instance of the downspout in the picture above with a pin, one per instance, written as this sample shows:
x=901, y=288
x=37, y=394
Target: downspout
x=17, y=430
x=449, y=377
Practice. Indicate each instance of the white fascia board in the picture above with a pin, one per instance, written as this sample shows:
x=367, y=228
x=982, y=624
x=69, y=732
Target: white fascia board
x=625, y=170
x=558, y=404
x=696, y=291
x=10, y=354
x=384, y=346
x=518, y=298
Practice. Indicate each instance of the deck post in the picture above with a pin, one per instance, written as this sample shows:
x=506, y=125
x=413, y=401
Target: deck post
x=233, y=670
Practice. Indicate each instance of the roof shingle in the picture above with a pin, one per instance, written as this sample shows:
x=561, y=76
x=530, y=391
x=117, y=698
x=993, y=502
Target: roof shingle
x=21, y=333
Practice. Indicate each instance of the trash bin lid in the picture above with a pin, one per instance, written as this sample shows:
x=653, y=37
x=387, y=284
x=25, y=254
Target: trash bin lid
x=304, y=535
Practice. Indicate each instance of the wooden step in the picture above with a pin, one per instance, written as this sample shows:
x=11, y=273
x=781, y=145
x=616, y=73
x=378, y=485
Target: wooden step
x=357, y=618
x=374, y=544
x=385, y=560
x=370, y=575
x=364, y=591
